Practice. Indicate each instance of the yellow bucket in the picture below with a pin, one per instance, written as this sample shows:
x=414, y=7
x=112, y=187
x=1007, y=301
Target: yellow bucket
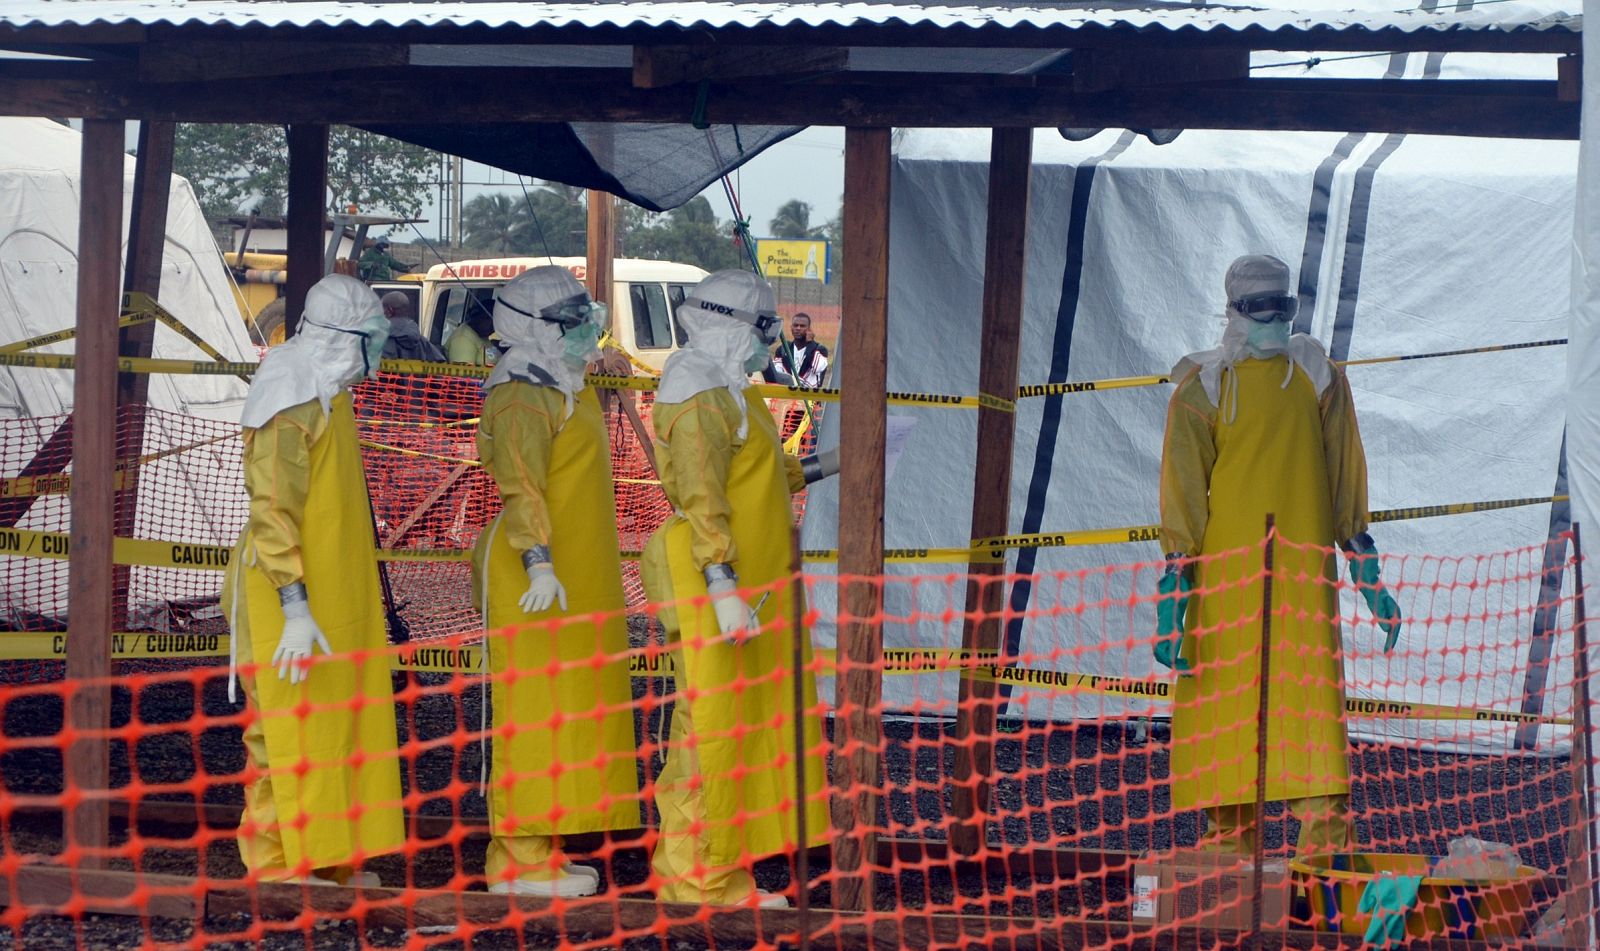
x=1446, y=907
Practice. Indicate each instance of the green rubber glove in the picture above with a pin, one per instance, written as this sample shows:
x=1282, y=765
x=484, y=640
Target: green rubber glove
x=1366, y=572
x=1388, y=899
x=1170, y=611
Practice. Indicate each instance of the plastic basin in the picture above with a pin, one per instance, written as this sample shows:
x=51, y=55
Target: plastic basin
x=1446, y=907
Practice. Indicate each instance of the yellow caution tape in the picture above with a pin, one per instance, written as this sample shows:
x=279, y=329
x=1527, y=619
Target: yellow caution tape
x=654, y=663
x=609, y=342
x=44, y=340
x=1090, y=386
x=156, y=553
x=136, y=304
x=384, y=447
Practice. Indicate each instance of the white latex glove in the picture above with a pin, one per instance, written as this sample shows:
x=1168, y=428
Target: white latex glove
x=544, y=589
x=734, y=617
x=300, y=635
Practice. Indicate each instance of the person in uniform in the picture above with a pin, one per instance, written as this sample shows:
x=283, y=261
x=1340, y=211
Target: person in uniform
x=718, y=569
x=324, y=790
x=548, y=579
x=1263, y=424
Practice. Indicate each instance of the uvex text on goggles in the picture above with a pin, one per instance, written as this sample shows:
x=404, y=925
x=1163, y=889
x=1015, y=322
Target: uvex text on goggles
x=766, y=323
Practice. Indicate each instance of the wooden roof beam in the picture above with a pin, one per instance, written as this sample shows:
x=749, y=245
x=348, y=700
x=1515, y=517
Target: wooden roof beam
x=1499, y=108
x=1099, y=70
x=202, y=60
x=658, y=66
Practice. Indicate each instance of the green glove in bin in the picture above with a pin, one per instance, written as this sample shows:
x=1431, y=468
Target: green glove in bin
x=1388, y=899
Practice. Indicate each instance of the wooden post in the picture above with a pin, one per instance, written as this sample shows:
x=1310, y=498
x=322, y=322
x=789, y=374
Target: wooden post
x=863, y=417
x=1583, y=877
x=1258, y=822
x=602, y=244
x=1005, y=253
x=308, y=185
x=147, y=240
x=94, y=453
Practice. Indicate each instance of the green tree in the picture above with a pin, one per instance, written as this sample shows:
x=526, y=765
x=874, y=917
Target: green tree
x=793, y=221
x=558, y=217
x=496, y=223
x=690, y=233
x=233, y=164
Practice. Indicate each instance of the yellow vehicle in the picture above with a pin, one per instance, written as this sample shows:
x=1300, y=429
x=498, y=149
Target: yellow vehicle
x=644, y=298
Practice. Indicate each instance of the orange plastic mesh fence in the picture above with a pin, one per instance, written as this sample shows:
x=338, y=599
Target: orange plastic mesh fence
x=1114, y=805
x=676, y=775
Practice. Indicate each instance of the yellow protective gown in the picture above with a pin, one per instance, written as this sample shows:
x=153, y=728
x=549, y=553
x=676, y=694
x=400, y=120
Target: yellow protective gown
x=328, y=794
x=1297, y=455
x=727, y=794
x=564, y=752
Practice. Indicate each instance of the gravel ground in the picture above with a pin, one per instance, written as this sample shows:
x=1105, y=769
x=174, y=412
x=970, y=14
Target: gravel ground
x=1075, y=786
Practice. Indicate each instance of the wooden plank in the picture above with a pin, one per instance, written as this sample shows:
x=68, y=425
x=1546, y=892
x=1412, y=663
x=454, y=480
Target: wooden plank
x=1005, y=257
x=308, y=182
x=1097, y=70
x=1258, y=821
x=426, y=506
x=1503, y=108
x=200, y=60
x=44, y=890
x=656, y=66
x=147, y=241
x=602, y=244
x=94, y=458
x=627, y=912
x=1569, y=78
x=863, y=414
x=50, y=459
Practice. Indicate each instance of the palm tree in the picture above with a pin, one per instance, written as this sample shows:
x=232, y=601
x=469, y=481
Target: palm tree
x=793, y=221
x=493, y=221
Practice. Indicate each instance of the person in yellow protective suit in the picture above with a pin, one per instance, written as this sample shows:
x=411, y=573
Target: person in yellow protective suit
x=547, y=577
x=1263, y=424
x=727, y=792
x=304, y=578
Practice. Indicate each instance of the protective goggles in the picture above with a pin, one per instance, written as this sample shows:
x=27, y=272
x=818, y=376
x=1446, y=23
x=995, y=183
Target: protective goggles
x=767, y=324
x=567, y=314
x=1267, y=308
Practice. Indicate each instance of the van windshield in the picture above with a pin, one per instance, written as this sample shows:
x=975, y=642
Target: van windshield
x=451, y=309
x=652, y=322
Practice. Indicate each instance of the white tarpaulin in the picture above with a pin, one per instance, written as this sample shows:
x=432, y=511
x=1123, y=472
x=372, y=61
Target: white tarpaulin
x=1401, y=245
x=38, y=289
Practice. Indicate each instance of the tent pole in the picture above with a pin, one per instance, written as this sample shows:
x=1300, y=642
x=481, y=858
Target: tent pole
x=94, y=448
x=1581, y=906
x=308, y=184
x=863, y=416
x=147, y=239
x=1005, y=256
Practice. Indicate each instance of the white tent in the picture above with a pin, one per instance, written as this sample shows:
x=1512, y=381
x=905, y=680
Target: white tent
x=1402, y=244
x=38, y=285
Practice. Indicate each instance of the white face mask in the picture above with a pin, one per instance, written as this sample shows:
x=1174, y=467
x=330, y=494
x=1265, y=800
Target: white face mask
x=1269, y=337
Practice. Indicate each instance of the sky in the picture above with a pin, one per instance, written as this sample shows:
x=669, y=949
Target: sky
x=808, y=166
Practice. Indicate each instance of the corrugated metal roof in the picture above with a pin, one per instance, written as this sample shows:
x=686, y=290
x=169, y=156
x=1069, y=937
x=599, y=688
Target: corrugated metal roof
x=1499, y=15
